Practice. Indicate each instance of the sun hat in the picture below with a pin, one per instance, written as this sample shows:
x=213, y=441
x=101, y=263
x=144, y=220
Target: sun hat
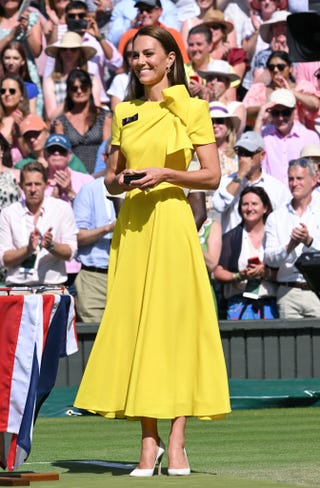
x=214, y=16
x=276, y=18
x=58, y=140
x=284, y=97
x=219, y=110
x=310, y=151
x=256, y=4
x=251, y=141
x=70, y=40
x=32, y=122
x=220, y=67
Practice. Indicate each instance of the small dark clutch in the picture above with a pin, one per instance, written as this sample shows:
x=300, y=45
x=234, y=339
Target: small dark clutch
x=131, y=177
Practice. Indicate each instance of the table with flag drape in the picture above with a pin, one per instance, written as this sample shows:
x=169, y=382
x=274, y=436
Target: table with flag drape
x=35, y=331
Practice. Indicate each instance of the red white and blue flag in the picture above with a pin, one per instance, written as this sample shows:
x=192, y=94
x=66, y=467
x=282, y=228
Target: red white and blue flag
x=35, y=331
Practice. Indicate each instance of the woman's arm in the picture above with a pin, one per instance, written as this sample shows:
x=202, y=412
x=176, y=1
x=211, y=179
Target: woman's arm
x=107, y=127
x=50, y=101
x=34, y=39
x=114, y=176
x=214, y=244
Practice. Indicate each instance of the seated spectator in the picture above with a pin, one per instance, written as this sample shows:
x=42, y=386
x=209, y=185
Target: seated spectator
x=280, y=68
x=225, y=126
x=199, y=48
x=125, y=16
x=63, y=182
x=250, y=150
x=118, y=88
x=35, y=132
x=14, y=61
x=247, y=287
x=107, y=59
x=221, y=47
x=85, y=124
x=290, y=231
x=149, y=13
x=69, y=54
x=95, y=218
x=27, y=30
x=35, y=241
x=274, y=33
x=283, y=137
x=9, y=176
x=218, y=77
x=14, y=106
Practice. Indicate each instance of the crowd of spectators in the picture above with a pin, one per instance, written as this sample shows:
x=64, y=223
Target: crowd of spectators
x=65, y=65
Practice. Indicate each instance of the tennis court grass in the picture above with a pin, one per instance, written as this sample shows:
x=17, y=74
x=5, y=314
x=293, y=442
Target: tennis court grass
x=249, y=449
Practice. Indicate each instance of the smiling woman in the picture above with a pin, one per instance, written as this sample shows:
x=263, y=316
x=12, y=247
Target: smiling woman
x=247, y=287
x=159, y=354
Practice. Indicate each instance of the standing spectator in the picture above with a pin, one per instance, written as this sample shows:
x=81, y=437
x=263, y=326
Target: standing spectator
x=37, y=234
x=283, y=137
x=95, y=218
x=250, y=150
x=119, y=85
x=292, y=230
x=85, y=124
x=247, y=285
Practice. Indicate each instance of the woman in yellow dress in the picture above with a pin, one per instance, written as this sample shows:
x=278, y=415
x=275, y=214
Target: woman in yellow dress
x=158, y=352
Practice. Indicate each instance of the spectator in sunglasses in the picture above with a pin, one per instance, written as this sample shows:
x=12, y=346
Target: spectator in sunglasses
x=283, y=136
x=280, y=70
x=14, y=106
x=250, y=150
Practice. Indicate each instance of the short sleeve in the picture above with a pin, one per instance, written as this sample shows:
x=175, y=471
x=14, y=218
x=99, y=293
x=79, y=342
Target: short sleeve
x=115, y=130
x=200, y=130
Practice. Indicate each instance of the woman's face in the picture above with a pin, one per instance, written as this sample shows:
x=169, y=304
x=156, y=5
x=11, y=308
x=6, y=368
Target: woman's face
x=267, y=7
x=220, y=128
x=70, y=55
x=129, y=53
x=279, y=68
x=206, y=4
x=10, y=5
x=10, y=93
x=79, y=92
x=12, y=61
x=252, y=208
x=150, y=61
x=198, y=48
x=217, y=33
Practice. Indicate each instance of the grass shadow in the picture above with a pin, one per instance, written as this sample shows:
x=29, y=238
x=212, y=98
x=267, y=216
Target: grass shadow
x=95, y=466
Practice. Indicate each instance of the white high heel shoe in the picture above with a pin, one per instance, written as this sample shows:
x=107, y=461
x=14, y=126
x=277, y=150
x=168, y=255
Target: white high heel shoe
x=180, y=471
x=158, y=460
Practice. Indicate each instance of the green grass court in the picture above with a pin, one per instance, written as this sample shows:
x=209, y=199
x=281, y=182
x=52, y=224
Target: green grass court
x=262, y=448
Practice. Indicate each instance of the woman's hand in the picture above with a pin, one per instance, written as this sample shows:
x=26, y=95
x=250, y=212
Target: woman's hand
x=254, y=271
x=152, y=178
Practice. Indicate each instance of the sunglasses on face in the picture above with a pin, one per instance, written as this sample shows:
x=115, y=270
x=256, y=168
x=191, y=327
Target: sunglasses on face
x=12, y=91
x=221, y=79
x=284, y=113
x=59, y=149
x=317, y=75
x=280, y=67
x=216, y=26
x=32, y=134
x=145, y=8
x=244, y=153
x=76, y=16
x=75, y=88
x=298, y=162
x=219, y=120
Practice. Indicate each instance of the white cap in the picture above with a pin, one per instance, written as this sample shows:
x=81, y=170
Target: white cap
x=284, y=97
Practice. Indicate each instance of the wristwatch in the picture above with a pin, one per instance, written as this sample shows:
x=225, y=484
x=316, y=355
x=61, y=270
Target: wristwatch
x=50, y=246
x=237, y=179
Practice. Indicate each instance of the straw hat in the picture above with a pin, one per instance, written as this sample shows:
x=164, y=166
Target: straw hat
x=276, y=18
x=216, y=17
x=70, y=40
x=310, y=151
x=219, y=110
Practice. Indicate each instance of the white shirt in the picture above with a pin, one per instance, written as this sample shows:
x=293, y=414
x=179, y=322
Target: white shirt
x=16, y=223
x=278, y=229
x=227, y=204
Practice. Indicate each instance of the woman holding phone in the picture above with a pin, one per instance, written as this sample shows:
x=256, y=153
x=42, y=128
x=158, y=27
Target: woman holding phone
x=249, y=285
x=158, y=352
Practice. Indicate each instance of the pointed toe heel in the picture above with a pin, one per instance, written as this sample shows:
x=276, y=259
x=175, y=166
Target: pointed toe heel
x=137, y=472
x=180, y=471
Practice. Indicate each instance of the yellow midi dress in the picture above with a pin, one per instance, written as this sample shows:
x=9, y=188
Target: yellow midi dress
x=158, y=350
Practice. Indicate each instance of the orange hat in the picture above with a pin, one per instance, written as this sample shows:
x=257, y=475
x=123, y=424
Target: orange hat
x=32, y=122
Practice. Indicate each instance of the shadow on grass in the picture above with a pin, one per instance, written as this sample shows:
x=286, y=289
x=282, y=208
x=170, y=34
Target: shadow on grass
x=95, y=466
